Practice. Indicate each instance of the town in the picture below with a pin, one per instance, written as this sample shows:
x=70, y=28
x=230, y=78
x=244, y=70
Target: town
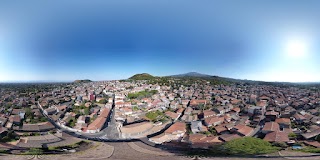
x=178, y=112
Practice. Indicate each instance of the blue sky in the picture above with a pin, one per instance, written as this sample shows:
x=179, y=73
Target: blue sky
x=98, y=40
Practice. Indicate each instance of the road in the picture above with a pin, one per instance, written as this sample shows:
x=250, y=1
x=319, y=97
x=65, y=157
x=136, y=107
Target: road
x=109, y=132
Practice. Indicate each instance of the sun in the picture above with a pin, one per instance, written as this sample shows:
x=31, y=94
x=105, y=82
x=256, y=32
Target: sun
x=296, y=48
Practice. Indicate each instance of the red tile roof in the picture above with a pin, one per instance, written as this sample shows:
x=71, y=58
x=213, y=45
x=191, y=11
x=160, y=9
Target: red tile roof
x=220, y=129
x=277, y=136
x=105, y=113
x=229, y=137
x=244, y=130
x=172, y=115
x=97, y=124
x=271, y=126
x=283, y=120
x=312, y=143
x=178, y=126
x=212, y=120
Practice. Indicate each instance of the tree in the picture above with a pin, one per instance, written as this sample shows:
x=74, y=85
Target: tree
x=103, y=101
x=292, y=135
x=213, y=131
x=72, y=122
x=317, y=138
x=43, y=119
x=87, y=111
x=249, y=146
x=29, y=113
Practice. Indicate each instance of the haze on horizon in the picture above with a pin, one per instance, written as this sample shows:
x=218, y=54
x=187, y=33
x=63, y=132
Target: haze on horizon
x=97, y=40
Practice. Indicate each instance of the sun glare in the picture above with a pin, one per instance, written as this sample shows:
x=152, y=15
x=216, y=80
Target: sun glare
x=296, y=48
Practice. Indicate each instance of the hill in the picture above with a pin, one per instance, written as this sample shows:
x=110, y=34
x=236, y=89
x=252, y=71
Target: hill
x=82, y=81
x=142, y=76
x=191, y=74
x=190, y=77
x=212, y=79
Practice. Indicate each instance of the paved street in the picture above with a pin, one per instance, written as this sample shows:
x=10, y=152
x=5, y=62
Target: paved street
x=110, y=130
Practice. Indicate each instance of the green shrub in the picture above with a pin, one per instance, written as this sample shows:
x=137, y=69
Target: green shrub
x=249, y=146
x=310, y=150
x=280, y=144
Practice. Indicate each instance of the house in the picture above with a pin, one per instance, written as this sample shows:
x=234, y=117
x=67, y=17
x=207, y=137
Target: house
x=50, y=111
x=254, y=110
x=315, y=144
x=270, y=127
x=17, y=111
x=104, y=113
x=180, y=111
x=81, y=119
x=220, y=110
x=119, y=104
x=172, y=115
x=96, y=125
x=312, y=134
x=3, y=121
x=188, y=111
x=196, y=126
x=283, y=122
x=221, y=130
x=315, y=120
x=185, y=102
x=236, y=110
x=299, y=118
x=228, y=137
x=203, y=141
x=15, y=119
x=277, y=136
x=62, y=108
x=262, y=103
x=127, y=110
x=271, y=115
x=197, y=102
x=22, y=114
x=208, y=113
x=213, y=121
x=176, y=131
x=243, y=130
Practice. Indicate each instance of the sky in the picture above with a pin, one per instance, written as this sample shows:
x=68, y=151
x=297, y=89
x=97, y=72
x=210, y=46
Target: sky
x=107, y=40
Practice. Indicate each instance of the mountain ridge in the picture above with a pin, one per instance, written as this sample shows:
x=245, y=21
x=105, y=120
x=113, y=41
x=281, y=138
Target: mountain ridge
x=190, y=74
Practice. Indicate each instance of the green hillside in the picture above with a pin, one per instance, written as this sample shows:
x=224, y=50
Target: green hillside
x=82, y=81
x=142, y=76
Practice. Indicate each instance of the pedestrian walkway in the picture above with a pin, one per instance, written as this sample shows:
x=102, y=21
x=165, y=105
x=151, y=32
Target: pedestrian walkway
x=147, y=151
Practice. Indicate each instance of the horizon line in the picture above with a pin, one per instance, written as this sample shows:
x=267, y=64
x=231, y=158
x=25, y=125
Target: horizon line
x=70, y=81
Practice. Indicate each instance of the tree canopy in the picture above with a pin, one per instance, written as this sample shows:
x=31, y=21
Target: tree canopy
x=249, y=146
x=142, y=94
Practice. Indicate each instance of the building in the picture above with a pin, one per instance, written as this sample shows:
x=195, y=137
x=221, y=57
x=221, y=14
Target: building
x=50, y=111
x=197, y=126
x=277, y=136
x=176, y=131
x=270, y=127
